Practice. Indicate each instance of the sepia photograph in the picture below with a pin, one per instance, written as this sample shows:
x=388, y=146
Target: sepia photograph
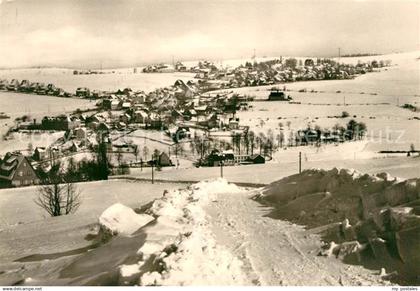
x=210, y=143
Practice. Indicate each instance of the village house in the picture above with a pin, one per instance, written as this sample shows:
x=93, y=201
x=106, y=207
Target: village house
x=155, y=121
x=106, y=103
x=179, y=133
x=190, y=114
x=16, y=170
x=277, y=95
x=13, y=85
x=140, y=116
x=115, y=104
x=256, y=159
x=228, y=158
x=103, y=127
x=180, y=67
x=246, y=159
x=61, y=122
x=210, y=121
x=176, y=114
x=126, y=118
x=234, y=123
x=216, y=158
x=163, y=160
x=111, y=103
x=54, y=152
x=165, y=68
x=3, y=84
x=24, y=86
x=309, y=63
x=125, y=105
x=202, y=110
x=83, y=92
x=70, y=146
x=80, y=133
x=40, y=154
x=307, y=136
x=124, y=92
x=183, y=91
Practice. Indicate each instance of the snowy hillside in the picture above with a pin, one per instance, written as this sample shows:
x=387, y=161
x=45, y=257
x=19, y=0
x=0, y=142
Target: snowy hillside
x=210, y=233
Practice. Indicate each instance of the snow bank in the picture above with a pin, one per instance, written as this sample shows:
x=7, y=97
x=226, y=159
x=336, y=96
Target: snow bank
x=197, y=261
x=356, y=211
x=129, y=270
x=122, y=220
x=180, y=249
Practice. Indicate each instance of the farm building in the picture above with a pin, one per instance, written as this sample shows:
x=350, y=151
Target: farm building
x=256, y=159
x=277, y=95
x=162, y=160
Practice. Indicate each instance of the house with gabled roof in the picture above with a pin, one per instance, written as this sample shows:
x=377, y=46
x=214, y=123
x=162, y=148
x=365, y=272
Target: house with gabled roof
x=16, y=170
x=140, y=116
x=183, y=91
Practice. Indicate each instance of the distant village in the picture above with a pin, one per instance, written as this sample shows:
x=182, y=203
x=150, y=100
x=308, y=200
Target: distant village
x=188, y=112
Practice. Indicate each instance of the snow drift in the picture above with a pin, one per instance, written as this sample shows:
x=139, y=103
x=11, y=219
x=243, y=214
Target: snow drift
x=374, y=219
x=181, y=246
x=121, y=220
x=170, y=243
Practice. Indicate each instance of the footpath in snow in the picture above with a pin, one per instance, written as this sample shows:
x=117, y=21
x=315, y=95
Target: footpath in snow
x=276, y=252
x=181, y=246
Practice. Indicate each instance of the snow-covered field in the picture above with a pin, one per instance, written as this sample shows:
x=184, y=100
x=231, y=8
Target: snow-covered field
x=372, y=98
x=120, y=79
x=405, y=167
x=36, y=106
x=20, y=141
x=25, y=229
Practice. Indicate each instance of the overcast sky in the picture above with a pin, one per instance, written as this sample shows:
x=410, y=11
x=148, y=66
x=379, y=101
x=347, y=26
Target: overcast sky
x=86, y=33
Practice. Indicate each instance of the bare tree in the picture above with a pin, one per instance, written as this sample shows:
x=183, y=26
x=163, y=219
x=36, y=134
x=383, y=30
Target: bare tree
x=252, y=141
x=58, y=199
x=120, y=162
x=179, y=149
x=412, y=148
x=280, y=139
x=145, y=152
x=136, y=152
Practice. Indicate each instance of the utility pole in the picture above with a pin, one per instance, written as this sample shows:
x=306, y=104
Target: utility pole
x=300, y=162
